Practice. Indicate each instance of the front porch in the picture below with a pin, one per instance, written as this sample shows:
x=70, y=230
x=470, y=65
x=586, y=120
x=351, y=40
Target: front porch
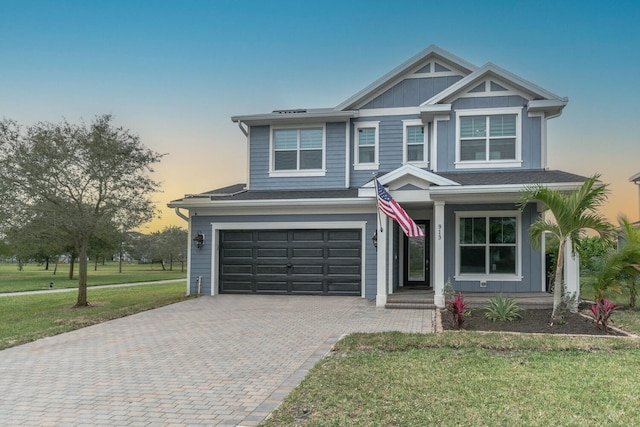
x=423, y=298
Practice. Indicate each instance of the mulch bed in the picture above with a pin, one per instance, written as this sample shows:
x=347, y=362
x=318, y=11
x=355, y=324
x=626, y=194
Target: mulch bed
x=533, y=321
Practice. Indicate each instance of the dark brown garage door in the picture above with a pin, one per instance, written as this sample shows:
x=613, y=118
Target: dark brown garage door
x=327, y=262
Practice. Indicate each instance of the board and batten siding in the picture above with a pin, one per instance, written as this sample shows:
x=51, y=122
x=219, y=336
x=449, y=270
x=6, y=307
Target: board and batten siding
x=411, y=92
x=531, y=132
x=531, y=258
x=335, y=162
x=201, y=264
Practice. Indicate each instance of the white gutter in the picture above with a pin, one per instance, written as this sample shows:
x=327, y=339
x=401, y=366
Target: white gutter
x=273, y=202
x=181, y=215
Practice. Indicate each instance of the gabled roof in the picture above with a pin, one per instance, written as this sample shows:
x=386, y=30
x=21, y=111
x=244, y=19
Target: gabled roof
x=635, y=178
x=539, y=98
x=397, y=73
x=413, y=171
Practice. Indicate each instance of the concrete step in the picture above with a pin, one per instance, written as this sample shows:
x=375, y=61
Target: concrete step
x=414, y=305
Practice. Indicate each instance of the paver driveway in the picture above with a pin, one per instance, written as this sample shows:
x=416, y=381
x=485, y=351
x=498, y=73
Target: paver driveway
x=226, y=360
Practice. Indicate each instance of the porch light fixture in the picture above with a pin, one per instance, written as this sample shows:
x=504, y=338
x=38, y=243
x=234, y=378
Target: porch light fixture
x=198, y=241
x=374, y=239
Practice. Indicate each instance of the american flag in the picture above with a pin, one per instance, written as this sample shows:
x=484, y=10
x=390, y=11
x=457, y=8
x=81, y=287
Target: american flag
x=393, y=210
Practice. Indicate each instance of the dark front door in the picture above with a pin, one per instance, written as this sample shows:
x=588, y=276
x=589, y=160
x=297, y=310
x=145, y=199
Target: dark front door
x=416, y=258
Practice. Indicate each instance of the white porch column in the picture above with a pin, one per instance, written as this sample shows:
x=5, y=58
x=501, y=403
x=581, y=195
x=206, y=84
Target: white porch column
x=571, y=274
x=381, y=276
x=438, y=253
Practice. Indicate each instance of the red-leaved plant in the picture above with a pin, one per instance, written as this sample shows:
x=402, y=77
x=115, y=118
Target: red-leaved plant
x=458, y=310
x=601, y=311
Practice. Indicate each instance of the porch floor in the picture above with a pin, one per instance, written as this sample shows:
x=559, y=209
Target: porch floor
x=419, y=297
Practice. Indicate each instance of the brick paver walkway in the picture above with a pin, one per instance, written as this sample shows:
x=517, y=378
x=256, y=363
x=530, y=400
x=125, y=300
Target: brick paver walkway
x=226, y=360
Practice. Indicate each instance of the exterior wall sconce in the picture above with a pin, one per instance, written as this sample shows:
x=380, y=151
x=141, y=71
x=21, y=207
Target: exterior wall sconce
x=198, y=241
x=374, y=239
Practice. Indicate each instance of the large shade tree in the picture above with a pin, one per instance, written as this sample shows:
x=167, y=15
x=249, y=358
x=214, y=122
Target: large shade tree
x=573, y=213
x=83, y=178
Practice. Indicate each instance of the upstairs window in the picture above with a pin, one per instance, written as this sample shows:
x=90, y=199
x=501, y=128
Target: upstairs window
x=366, y=145
x=414, y=142
x=298, y=150
x=488, y=139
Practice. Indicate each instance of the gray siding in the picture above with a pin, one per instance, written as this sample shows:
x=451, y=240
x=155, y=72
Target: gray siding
x=531, y=258
x=201, y=259
x=390, y=150
x=335, y=162
x=411, y=92
x=531, y=131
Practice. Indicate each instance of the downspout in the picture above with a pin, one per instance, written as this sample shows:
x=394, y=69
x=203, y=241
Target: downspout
x=245, y=131
x=181, y=215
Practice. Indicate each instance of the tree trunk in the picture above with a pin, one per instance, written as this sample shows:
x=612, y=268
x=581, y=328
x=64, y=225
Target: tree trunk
x=120, y=259
x=46, y=264
x=95, y=265
x=170, y=262
x=557, y=284
x=82, y=273
x=72, y=263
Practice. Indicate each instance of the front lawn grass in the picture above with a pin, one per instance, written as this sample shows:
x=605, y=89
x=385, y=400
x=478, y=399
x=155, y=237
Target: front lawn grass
x=34, y=277
x=469, y=379
x=25, y=318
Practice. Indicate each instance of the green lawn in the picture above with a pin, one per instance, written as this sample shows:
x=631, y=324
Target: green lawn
x=469, y=379
x=25, y=318
x=34, y=277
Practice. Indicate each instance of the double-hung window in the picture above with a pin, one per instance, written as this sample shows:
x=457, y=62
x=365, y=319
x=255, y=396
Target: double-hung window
x=488, y=245
x=488, y=138
x=414, y=143
x=366, y=145
x=298, y=151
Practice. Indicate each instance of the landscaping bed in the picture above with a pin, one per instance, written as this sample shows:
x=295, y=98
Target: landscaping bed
x=532, y=321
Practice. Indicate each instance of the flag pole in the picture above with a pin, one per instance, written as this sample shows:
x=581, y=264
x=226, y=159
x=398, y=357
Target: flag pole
x=375, y=183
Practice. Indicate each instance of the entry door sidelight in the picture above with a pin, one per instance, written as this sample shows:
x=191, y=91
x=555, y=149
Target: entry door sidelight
x=416, y=250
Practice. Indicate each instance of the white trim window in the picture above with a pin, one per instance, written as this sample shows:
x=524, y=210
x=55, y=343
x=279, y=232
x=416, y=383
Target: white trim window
x=414, y=143
x=488, y=138
x=298, y=151
x=366, y=145
x=488, y=245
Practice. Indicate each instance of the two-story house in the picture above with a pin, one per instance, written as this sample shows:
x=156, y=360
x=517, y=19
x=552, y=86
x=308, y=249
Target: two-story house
x=453, y=143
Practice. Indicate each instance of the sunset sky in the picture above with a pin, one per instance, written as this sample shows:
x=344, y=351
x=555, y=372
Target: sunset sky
x=174, y=72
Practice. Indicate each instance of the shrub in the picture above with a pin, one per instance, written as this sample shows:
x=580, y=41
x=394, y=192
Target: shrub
x=503, y=309
x=458, y=310
x=601, y=311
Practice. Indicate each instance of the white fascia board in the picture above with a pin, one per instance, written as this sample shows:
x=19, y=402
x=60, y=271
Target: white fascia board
x=404, y=67
x=497, y=189
x=264, y=203
x=635, y=178
x=293, y=118
x=499, y=72
x=234, y=211
x=552, y=108
x=429, y=112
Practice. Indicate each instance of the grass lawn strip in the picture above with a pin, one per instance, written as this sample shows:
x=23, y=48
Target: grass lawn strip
x=34, y=277
x=469, y=379
x=27, y=318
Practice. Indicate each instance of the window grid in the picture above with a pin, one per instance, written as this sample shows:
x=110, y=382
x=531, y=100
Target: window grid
x=488, y=245
x=488, y=137
x=297, y=149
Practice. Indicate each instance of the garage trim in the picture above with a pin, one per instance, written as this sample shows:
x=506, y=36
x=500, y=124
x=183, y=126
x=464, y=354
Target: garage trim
x=321, y=225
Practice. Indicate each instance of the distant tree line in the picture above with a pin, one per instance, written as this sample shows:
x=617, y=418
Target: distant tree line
x=166, y=247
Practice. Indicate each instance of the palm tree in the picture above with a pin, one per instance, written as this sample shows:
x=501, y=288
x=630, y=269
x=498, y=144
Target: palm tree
x=573, y=212
x=628, y=257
